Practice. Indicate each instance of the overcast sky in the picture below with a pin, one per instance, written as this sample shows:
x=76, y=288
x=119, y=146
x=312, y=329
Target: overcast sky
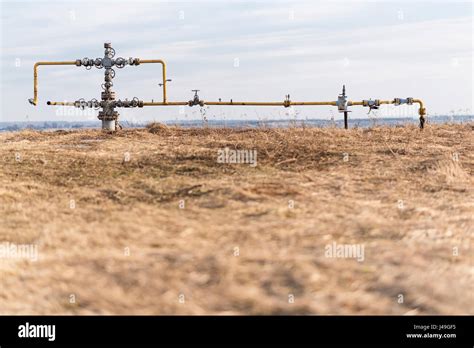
x=244, y=50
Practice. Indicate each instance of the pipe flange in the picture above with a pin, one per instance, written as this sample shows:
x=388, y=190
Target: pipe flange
x=108, y=116
x=110, y=95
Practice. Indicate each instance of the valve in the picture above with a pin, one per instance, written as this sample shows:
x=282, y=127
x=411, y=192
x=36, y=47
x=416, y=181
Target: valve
x=120, y=62
x=135, y=102
x=98, y=63
x=88, y=63
x=196, y=100
x=82, y=104
x=372, y=104
x=109, y=51
x=342, y=101
x=95, y=103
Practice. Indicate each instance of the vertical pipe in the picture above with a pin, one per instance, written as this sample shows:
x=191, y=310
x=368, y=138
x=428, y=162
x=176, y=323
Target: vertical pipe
x=421, y=112
x=163, y=65
x=345, y=112
x=35, y=76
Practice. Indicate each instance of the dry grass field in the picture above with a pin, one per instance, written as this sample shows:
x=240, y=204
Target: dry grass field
x=148, y=222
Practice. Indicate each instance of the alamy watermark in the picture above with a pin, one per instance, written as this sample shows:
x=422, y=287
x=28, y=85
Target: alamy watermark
x=349, y=251
x=227, y=155
x=63, y=110
x=18, y=251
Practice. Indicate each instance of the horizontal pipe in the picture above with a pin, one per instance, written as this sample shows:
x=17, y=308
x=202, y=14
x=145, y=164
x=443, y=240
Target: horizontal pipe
x=35, y=76
x=61, y=103
x=163, y=66
x=144, y=104
x=421, y=110
x=238, y=103
x=350, y=103
x=164, y=104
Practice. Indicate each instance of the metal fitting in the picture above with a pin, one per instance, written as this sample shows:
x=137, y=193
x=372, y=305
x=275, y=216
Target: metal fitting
x=400, y=101
x=135, y=102
x=108, y=95
x=341, y=103
x=196, y=100
x=133, y=61
x=373, y=104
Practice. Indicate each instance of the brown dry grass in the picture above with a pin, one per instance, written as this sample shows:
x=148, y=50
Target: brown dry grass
x=135, y=204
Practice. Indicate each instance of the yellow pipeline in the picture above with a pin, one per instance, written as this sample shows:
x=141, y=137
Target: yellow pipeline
x=269, y=103
x=61, y=103
x=163, y=64
x=35, y=76
x=421, y=109
x=238, y=103
x=164, y=103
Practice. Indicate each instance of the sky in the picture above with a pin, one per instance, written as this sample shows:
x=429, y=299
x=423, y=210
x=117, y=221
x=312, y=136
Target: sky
x=240, y=50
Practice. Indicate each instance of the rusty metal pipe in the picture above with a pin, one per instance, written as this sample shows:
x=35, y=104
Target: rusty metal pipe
x=163, y=65
x=35, y=76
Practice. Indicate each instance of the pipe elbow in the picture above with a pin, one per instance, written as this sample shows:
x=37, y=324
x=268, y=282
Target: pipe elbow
x=421, y=110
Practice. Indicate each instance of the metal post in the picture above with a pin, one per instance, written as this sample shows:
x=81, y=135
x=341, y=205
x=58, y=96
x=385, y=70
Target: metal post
x=346, y=126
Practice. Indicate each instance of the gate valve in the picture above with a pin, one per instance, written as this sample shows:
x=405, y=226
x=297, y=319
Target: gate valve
x=196, y=100
x=342, y=101
x=372, y=104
